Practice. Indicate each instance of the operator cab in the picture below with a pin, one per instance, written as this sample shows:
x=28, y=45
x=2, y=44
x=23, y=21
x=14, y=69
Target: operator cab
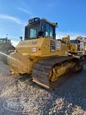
x=76, y=42
x=4, y=41
x=37, y=28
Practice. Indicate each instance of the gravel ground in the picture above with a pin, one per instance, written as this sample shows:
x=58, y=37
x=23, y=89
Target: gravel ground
x=20, y=96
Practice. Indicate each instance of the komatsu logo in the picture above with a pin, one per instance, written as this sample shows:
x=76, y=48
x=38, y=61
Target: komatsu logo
x=29, y=43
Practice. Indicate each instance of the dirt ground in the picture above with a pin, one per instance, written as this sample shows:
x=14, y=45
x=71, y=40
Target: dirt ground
x=20, y=96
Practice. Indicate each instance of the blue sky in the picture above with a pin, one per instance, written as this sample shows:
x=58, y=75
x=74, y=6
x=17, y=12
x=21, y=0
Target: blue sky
x=70, y=15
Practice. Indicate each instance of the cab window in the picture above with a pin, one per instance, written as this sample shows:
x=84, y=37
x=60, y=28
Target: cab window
x=32, y=33
x=49, y=31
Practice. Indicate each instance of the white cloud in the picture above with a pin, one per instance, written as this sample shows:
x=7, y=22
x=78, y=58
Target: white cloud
x=11, y=18
x=26, y=11
x=14, y=42
x=59, y=35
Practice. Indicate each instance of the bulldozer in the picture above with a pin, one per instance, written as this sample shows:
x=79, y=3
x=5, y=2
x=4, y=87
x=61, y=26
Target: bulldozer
x=72, y=46
x=42, y=56
x=5, y=47
x=76, y=46
x=82, y=41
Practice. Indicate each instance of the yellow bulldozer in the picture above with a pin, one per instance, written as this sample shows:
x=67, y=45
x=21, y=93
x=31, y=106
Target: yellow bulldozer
x=76, y=46
x=72, y=46
x=82, y=41
x=41, y=55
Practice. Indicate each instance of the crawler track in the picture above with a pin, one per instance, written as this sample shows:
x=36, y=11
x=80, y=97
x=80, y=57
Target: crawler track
x=42, y=69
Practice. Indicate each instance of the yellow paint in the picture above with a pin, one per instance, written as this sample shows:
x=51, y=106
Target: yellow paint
x=59, y=70
x=28, y=52
x=72, y=47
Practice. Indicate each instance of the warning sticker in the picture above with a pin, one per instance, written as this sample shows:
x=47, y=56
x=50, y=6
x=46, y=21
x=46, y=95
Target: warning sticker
x=34, y=49
x=57, y=45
